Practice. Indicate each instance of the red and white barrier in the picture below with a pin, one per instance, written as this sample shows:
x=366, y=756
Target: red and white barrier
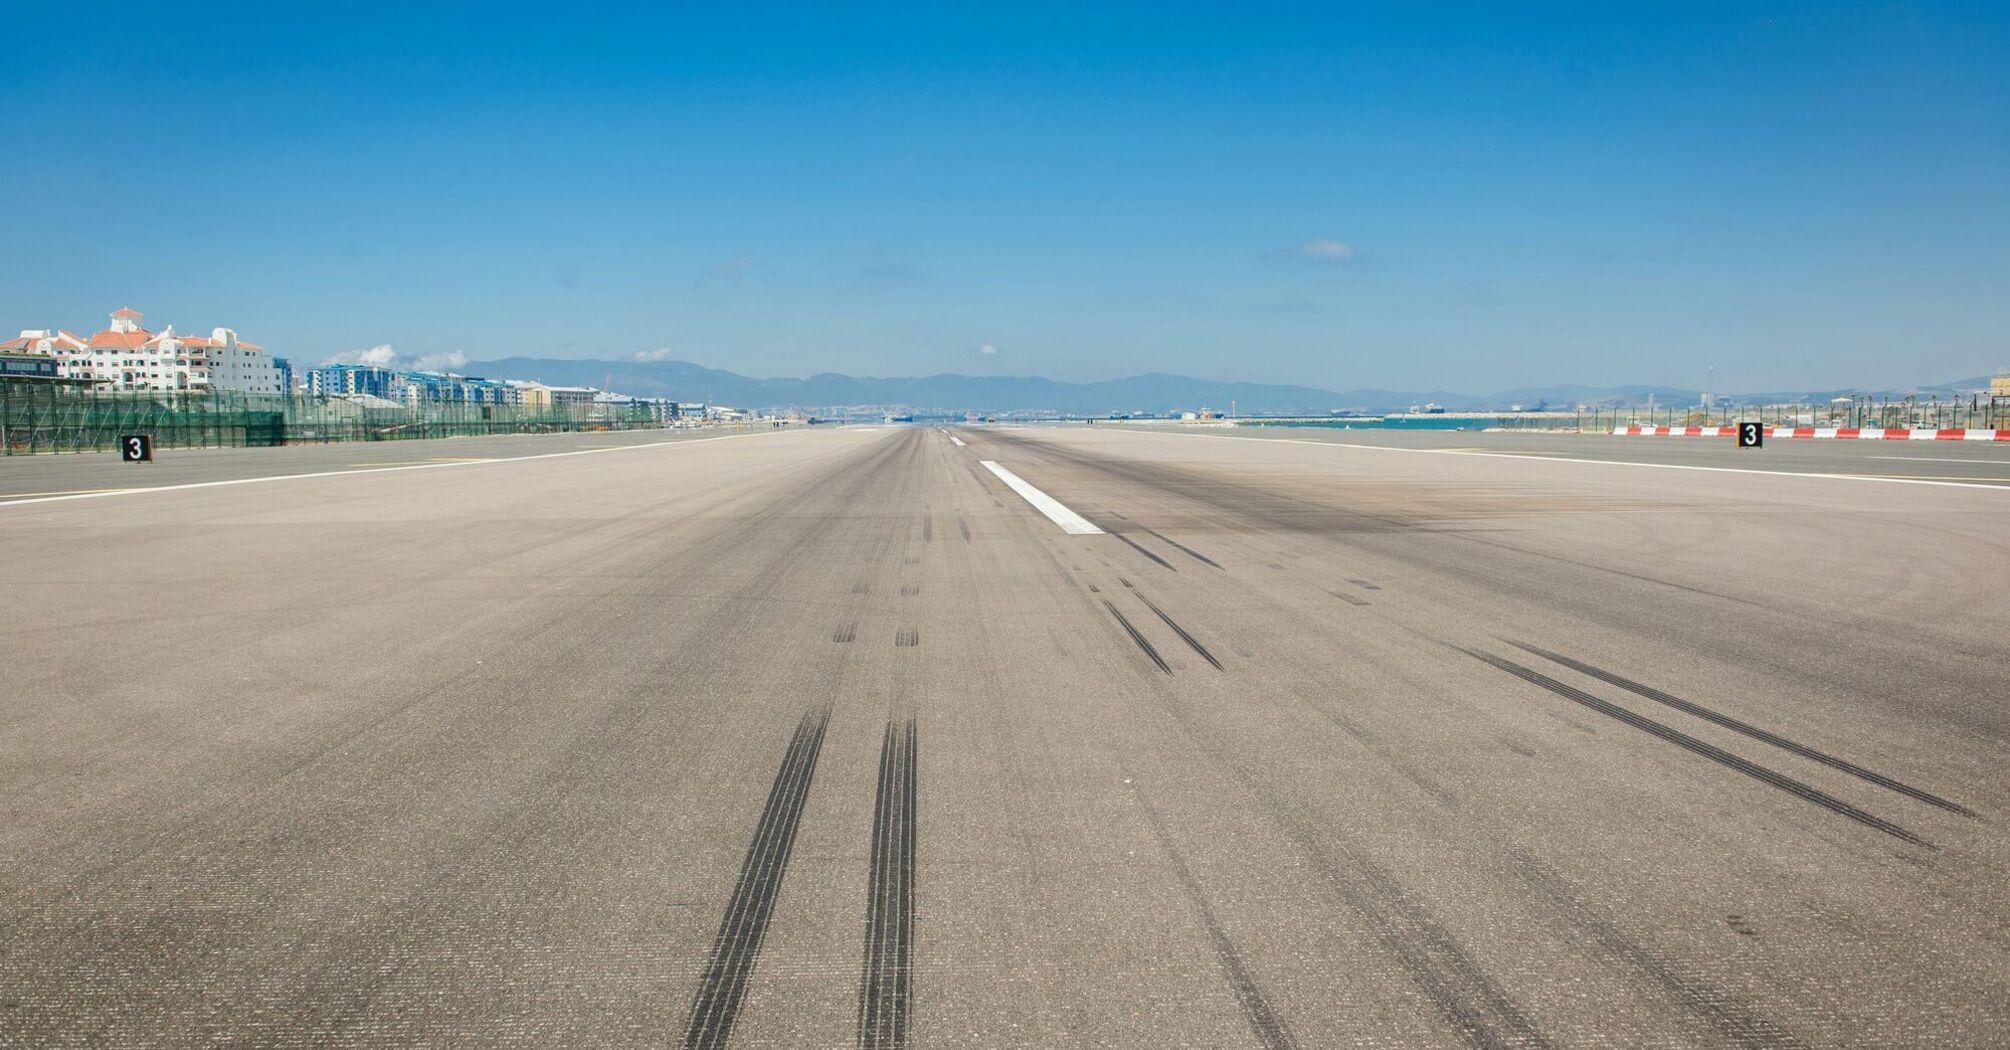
x=1846, y=433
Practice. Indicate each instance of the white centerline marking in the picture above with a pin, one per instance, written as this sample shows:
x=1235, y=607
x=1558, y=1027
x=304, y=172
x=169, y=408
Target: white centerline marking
x=1070, y=522
x=957, y=440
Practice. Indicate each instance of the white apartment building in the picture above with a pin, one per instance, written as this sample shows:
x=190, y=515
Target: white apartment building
x=540, y=396
x=49, y=341
x=128, y=357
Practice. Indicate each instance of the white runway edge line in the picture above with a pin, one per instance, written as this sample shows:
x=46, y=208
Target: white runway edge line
x=106, y=493
x=1070, y=522
x=1599, y=462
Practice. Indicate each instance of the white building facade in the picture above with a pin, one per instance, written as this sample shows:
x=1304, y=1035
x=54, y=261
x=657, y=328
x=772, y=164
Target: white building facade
x=49, y=341
x=127, y=357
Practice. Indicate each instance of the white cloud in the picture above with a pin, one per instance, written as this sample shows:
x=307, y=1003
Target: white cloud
x=1322, y=248
x=381, y=356
x=661, y=353
x=987, y=348
x=446, y=362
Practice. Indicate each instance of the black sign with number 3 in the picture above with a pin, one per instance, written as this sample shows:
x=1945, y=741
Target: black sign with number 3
x=136, y=448
x=1751, y=435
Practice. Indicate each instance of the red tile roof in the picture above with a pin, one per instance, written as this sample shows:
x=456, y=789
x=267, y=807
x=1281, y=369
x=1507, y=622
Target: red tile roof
x=126, y=311
x=123, y=340
x=58, y=341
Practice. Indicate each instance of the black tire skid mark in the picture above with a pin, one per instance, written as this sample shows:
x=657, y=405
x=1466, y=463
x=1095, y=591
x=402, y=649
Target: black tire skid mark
x=1265, y=1023
x=1143, y=643
x=1748, y=729
x=1699, y=747
x=886, y=982
x=737, y=947
x=1189, y=639
x=1133, y=544
x=1196, y=555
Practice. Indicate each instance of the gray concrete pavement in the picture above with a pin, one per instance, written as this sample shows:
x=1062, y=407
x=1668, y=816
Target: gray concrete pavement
x=1316, y=746
x=1984, y=462
x=96, y=473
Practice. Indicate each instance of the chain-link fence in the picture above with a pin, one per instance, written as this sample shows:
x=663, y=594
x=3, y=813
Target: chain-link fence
x=40, y=417
x=1907, y=413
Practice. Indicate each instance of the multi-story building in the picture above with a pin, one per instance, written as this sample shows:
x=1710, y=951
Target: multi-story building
x=233, y=364
x=660, y=409
x=412, y=388
x=534, y=396
x=571, y=395
x=127, y=357
x=351, y=380
x=540, y=397
x=610, y=405
x=49, y=341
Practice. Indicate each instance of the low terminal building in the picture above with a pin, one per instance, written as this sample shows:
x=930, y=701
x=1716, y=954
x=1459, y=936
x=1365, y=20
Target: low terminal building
x=19, y=366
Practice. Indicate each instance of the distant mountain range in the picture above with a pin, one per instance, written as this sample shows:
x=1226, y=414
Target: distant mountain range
x=1145, y=393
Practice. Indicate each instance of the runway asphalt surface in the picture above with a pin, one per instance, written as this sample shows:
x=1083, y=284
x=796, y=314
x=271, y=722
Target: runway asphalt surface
x=835, y=738
x=1986, y=462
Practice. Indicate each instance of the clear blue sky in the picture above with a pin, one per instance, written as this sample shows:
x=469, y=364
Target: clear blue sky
x=1810, y=194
